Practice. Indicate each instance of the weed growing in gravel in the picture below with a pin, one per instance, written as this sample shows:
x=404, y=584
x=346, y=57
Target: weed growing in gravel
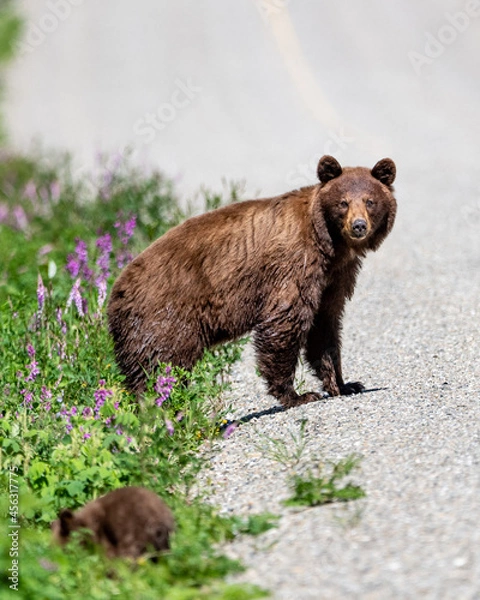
x=315, y=485
x=68, y=428
x=321, y=486
x=286, y=452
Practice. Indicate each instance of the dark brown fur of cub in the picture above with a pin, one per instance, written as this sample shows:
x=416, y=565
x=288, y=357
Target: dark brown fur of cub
x=126, y=522
x=281, y=267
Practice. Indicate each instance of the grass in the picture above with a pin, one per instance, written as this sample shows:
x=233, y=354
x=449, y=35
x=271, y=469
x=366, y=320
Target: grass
x=313, y=482
x=322, y=485
x=69, y=431
x=287, y=452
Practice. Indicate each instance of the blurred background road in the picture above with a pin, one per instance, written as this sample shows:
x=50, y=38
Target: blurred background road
x=257, y=91
x=254, y=90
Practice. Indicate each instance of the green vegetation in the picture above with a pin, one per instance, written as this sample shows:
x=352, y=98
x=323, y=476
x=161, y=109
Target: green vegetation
x=287, y=452
x=313, y=481
x=69, y=431
x=321, y=485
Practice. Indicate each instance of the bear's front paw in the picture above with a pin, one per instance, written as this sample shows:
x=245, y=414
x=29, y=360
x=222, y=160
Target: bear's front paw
x=352, y=387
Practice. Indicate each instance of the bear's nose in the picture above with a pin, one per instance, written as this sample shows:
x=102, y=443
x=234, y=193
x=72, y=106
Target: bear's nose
x=359, y=227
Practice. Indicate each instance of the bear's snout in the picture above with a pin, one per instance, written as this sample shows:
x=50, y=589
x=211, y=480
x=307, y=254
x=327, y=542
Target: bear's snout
x=359, y=228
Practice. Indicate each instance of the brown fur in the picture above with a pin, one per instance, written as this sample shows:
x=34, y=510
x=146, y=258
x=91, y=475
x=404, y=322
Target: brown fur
x=282, y=267
x=126, y=522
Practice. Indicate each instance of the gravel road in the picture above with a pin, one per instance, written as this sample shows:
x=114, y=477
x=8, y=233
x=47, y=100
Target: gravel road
x=413, y=330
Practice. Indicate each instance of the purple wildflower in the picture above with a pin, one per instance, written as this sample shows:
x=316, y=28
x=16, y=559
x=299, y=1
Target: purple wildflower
x=123, y=257
x=27, y=397
x=87, y=273
x=20, y=217
x=130, y=226
x=119, y=431
x=33, y=371
x=46, y=249
x=125, y=232
x=81, y=251
x=164, y=386
x=46, y=394
x=104, y=243
x=72, y=266
x=87, y=435
x=102, y=292
x=40, y=294
x=75, y=296
x=101, y=395
x=61, y=347
x=77, y=264
x=55, y=191
x=87, y=412
x=30, y=350
x=229, y=430
x=169, y=426
x=30, y=191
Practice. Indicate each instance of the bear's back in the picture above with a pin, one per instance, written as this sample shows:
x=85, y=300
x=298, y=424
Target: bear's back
x=208, y=280
x=128, y=520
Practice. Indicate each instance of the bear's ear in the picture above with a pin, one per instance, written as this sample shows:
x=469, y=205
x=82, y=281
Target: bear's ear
x=66, y=520
x=385, y=171
x=328, y=168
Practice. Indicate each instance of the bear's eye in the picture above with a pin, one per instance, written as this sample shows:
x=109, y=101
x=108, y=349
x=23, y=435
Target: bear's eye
x=369, y=203
x=343, y=204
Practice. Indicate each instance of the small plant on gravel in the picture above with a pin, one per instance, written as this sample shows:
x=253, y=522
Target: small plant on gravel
x=322, y=486
x=287, y=452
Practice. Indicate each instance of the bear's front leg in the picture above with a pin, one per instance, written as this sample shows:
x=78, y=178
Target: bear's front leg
x=277, y=357
x=323, y=352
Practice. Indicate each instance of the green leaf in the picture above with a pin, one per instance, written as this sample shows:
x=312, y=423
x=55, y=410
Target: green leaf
x=74, y=488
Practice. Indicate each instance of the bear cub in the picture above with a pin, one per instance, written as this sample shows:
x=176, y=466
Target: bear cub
x=127, y=522
x=281, y=267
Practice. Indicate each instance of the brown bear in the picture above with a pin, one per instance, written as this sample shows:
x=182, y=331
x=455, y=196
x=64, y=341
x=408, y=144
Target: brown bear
x=126, y=522
x=281, y=267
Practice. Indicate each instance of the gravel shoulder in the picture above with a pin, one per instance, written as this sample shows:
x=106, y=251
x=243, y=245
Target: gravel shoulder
x=413, y=330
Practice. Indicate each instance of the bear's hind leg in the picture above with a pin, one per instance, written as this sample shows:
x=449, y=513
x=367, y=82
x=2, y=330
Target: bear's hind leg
x=277, y=360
